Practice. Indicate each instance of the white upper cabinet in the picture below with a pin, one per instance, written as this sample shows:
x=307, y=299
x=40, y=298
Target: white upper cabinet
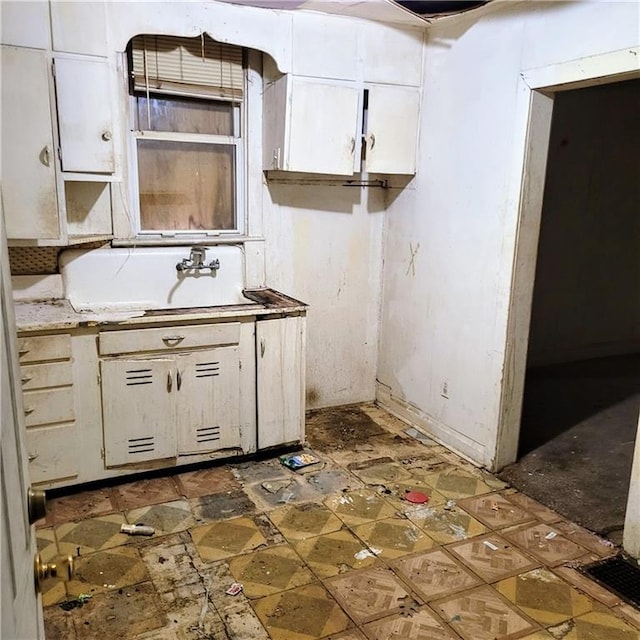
x=28, y=152
x=25, y=24
x=79, y=27
x=84, y=114
x=324, y=46
x=311, y=126
x=391, y=137
x=391, y=55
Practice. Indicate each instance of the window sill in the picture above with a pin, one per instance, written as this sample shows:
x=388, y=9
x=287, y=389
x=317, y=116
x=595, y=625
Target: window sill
x=182, y=241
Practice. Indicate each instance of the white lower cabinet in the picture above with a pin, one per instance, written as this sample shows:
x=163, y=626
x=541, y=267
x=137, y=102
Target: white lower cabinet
x=138, y=410
x=281, y=380
x=158, y=407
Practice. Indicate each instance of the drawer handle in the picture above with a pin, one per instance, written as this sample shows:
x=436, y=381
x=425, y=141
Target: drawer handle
x=26, y=379
x=22, y=352
x=170, y=340
x=169, y=382
x=32, y=457
x=179, y=379
x=29, y=410
x=263, y=346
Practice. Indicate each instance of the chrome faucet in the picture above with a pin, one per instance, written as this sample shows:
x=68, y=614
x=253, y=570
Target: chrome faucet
x=196, y=261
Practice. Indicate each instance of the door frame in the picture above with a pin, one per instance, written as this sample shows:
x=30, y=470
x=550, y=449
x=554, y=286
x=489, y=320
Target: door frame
x=536, y=92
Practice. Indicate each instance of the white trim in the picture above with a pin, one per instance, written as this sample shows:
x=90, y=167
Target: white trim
x=474, y=452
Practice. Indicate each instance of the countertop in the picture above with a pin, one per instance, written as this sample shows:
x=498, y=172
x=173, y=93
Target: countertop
x=58, y=314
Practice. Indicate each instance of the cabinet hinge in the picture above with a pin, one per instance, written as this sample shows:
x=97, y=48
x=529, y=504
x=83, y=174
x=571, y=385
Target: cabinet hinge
x=240, y=364
x=102, y=453
x=53, y=68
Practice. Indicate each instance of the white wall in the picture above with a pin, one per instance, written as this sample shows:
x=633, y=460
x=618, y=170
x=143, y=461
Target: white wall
x=587, y=290
x=324, y=246
x=444, y=316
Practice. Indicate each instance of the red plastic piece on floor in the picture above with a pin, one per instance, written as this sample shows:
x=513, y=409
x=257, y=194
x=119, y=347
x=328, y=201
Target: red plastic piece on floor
x=416, y=497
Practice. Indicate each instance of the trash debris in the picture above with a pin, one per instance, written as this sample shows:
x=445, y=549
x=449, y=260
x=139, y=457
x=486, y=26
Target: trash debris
x=298, y=460
x=234, y=589
x=416, y=497
x=551, y=535
x=417, y=435
x=364, y=553
x=274, y=487
x=363, y=447
x=491, y=546
x=76, y=603
x=286, y=497
x=456, y=618
x=137, y=529
x=449, y=505
x=495, y=506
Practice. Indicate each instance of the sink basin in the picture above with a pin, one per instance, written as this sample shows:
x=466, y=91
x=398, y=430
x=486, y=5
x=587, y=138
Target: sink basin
x=146, y=278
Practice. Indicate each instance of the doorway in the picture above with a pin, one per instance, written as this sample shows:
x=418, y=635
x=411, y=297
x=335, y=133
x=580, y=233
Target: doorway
x=581, y=394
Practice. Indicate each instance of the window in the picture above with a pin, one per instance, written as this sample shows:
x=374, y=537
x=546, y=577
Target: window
x=186, y=110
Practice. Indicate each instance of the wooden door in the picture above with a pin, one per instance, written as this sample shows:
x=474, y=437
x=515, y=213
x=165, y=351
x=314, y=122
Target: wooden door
x=138, y=409
x=28, y=151
x=209, y=400
x=21, y=613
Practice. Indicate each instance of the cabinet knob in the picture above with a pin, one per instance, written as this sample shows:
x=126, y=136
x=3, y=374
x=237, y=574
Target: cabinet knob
x=29, y=410
x=169, y=382
x=172, y=340
x=106, y=136
x=26, y=379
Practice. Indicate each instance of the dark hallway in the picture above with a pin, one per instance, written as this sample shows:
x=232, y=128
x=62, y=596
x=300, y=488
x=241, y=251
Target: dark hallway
x=578, y=430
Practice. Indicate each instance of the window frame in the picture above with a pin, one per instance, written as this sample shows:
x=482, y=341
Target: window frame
x=238, y=140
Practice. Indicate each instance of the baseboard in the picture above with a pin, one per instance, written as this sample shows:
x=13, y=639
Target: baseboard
x=465, y=447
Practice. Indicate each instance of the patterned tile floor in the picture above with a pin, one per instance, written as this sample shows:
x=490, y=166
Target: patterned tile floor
x=335, y=551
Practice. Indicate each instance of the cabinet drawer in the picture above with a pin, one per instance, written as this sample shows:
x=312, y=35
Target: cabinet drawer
x=168, y=338
x=40, y=348
x=48, y=374
x=48, y=406
x=53, y=452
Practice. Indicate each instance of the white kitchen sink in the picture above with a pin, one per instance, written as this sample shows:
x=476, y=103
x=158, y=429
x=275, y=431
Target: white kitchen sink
x=146, y=278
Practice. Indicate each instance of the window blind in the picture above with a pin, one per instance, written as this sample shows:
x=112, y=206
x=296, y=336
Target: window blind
x=198, y=67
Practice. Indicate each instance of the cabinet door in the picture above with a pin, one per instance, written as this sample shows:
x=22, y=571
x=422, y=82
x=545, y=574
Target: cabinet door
x=280, y=373
x=322, y=127
x=208, y=400
x=392, y=129
x=84, y=115
x=138, y=409
x=28, y=153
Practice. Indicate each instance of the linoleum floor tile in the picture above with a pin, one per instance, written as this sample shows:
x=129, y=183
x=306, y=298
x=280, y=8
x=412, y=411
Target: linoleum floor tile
x=544, y=597
x=544, y=543
x=305, y=613
x=270, y=571
x=445, y=523
x=453, y=482
x=107, y=570
x=220, y=506
x=369, y=594
x=495, y=511
x=206, y=482
x=435, y=574
x=298, y=522
x=393, y=537
x=420, y=625
x=123, y=613
x=81, y=506
x=483, y=614
x=142, y=493
x=335, y=553
x=542, y=513
x=227, y=538
x=599, y=625
x=87, y=536
x=492, y=557
x=170, y=517
x=359, y=507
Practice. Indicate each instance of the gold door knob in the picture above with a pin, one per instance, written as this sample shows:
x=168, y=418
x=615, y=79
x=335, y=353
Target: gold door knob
x=62, y=569
x=36, y=502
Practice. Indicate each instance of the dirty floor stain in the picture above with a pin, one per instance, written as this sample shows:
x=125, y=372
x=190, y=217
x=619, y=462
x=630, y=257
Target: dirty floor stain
x=334, y=551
